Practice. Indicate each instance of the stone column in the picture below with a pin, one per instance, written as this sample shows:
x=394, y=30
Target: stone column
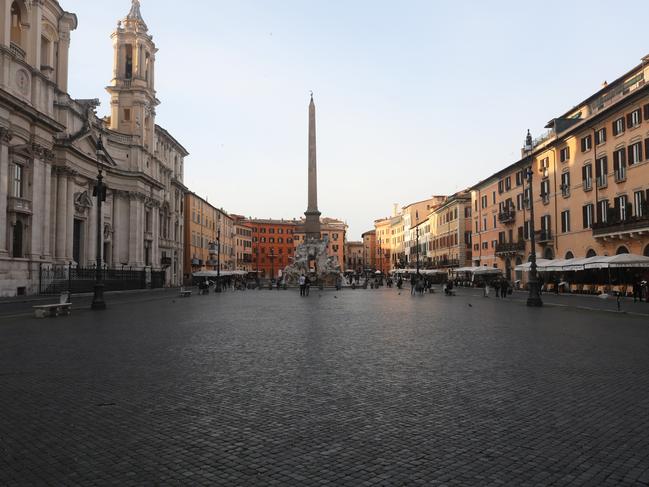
x=61, y=220
x=69, y=240
x=47, y=213
x=5, y=138
x=39, y=206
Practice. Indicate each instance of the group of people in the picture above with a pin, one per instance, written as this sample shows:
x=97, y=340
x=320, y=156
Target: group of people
x=305, y=285
x=502, y=287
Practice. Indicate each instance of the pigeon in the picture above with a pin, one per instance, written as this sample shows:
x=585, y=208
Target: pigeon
x=470, y=305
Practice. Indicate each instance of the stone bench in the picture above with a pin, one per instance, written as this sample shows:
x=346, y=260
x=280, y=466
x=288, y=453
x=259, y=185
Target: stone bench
x=62, y=308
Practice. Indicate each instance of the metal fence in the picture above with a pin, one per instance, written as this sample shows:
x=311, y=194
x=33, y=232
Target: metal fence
x=55, y=279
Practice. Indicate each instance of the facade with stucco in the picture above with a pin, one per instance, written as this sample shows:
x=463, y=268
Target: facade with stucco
x=49, y=162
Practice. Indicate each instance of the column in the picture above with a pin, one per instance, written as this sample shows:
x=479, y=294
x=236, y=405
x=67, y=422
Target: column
x=5, y=137
x=38, y=208
x=47, y=214
x=132, y=231
x=155, y=244
x=69, y=221
x=61, y=221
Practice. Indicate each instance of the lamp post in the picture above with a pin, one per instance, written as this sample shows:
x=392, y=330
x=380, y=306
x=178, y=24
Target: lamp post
x=417, y=228
x=217, y=289
x=534, y=298
x=99, y=191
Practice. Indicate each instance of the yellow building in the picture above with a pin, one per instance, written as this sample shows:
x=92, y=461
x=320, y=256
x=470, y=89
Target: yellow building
x=200, y=235
x=590, y=184
x=383, y=244
x=449, y=244
x=242, y=244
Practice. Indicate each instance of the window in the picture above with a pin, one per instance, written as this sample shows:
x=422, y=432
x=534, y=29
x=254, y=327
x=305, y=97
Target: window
x=495, y=224
x=127, y=114
x=526, y=230
x=565, y=221
x=16, y=24
x=602, y=211
x=565, y=184
x=621, y=207
x=494, y=197
x=508, y=183
x=639, y=203
x=564, y=154
x=646, y=111
x=527, y=198
x=484, y=224
x=618, y=126
x=635, y=153
x=545, y=191
x=586, y=143
x=477, y=230
x=634, y=118
x=484, y=201
x=519, y=178
x=519, y=201
x=545, y=227
x=128, y=71
x=600, y=136
x=17, y=181
x=17, y=241
x=587, y=212
x=501, y=186
x=545, y=167
x=619, y=164
x=601, y=171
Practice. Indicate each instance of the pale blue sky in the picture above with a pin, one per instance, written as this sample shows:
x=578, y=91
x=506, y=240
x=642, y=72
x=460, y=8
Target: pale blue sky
x=414, y=98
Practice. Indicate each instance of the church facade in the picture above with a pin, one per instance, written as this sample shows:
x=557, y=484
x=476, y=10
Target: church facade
x=49, y=162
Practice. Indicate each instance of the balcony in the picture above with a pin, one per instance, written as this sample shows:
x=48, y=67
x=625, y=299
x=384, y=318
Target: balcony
x=507, y=216
x=445, y=263
x=17, y=51
x=565, y=190
x=621, y=227
x=19, y=205
x=508, y=248
x=544, y=236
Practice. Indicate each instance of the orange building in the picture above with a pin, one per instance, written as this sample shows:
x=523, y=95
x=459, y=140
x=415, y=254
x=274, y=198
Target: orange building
x=334, y=232
x=383, y=244
x=200, y=235
x=272, y=245
x=369, y=249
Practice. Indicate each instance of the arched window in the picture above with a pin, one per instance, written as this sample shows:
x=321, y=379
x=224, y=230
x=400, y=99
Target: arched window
x=17, y=244
x=591, y=253
x=622, y=250
x=128, y=72
x=569, y=255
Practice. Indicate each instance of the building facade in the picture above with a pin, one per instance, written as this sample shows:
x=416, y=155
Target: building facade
x=334, y=232
x=49, y=161
x=589, y=184
x=273, y=247
x=449, y=244
x=200, y=235
x=242, y=244
x=383, y=244
x=369, y=249
x=354, y=257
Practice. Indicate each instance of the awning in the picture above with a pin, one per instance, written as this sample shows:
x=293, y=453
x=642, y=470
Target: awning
x=618, y=262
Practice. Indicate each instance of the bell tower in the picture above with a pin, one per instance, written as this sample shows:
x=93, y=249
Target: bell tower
x=132, y=89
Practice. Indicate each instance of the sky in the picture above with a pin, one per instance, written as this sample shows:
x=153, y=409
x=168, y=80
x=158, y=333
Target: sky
x=413, y=98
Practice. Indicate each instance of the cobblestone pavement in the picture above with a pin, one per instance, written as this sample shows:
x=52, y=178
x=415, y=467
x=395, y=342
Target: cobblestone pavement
x=352, y=388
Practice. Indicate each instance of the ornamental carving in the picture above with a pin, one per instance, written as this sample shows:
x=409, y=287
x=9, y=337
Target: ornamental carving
x=82, y=202
x=23, y=81
x=6, y=135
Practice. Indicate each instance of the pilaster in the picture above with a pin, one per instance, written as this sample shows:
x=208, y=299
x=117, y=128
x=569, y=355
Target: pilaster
x=5, y=138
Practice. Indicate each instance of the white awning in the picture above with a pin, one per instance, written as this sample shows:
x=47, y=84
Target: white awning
x=620, y=261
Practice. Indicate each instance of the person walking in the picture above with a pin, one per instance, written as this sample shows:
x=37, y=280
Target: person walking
x=302, y=282
x=307, y=286
x=413, y=284
x=504, y=288
x=497, y=287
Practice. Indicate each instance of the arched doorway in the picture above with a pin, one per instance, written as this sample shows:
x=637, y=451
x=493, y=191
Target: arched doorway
x=548, y=254
x=622, y=250
x=591, y=253
x=569, y=255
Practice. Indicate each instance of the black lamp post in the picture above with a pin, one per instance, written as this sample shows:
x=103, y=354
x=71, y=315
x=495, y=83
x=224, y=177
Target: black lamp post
x=534, y=298
x=417, y=217
x=99, y=191
x=218, y=288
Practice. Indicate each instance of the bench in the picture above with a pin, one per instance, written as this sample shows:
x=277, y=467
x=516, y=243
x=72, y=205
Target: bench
x=62, y=308
x=185, y=293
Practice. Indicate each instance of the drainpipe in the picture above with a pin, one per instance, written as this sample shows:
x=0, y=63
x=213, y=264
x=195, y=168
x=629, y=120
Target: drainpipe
x=556, y=206
x=595, y=173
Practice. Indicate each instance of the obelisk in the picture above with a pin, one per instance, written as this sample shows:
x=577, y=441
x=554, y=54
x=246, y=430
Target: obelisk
x=312, y=223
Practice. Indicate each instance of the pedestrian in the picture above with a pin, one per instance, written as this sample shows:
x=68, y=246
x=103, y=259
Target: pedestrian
x=302, y=282
x=413, y=284
x=497, y=287
x=637, y=290
x=504, y=289
x=307, y=286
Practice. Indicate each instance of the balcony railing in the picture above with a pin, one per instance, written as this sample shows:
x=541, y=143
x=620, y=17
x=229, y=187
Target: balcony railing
x=620, y=175
x=507, y=216
x=19, y=205
x=446, y=263
x=619, y=225
x=565, y=191
x=17, y=51
x=602, y=181
x=588, y=184
x=510, y=247
x=544, y=236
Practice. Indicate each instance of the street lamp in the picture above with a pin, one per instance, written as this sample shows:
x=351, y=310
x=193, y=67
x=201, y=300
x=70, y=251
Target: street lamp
x=534, y=298
x=417, y=228
x=217, y=289
x=99, y=191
